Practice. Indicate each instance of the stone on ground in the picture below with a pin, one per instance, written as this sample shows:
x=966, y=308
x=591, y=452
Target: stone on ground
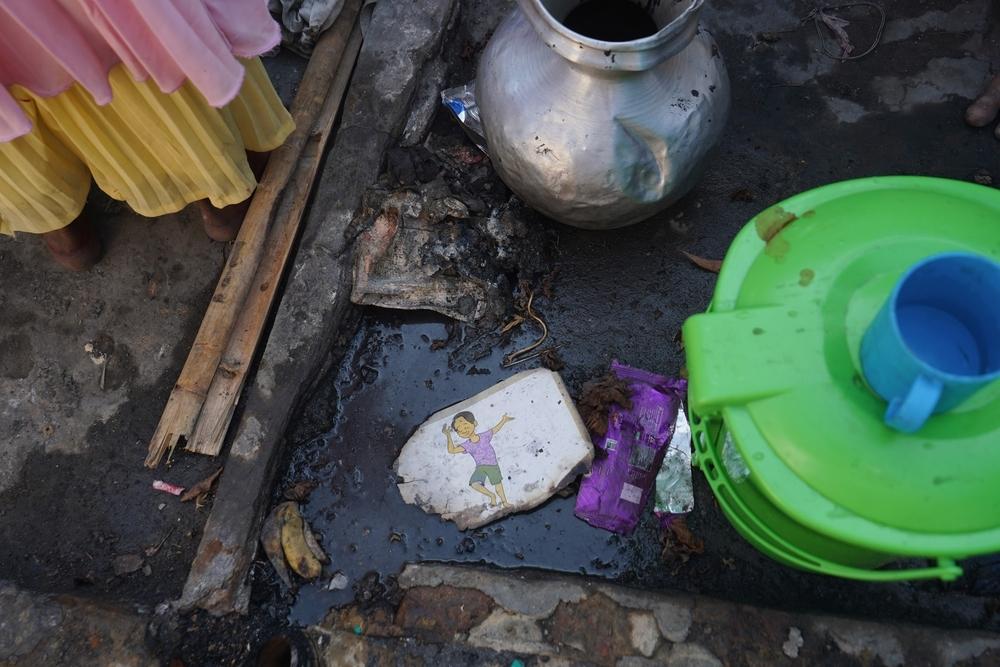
x=479, y=616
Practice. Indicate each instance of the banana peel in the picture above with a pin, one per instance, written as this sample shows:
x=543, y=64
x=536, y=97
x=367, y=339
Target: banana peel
x=301, y=549
x=270, y=539
x=313, y=543
x=288, y=541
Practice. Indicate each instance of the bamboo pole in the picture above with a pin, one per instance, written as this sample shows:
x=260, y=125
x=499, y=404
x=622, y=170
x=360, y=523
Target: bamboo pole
x=217, y=413
x=188, y=395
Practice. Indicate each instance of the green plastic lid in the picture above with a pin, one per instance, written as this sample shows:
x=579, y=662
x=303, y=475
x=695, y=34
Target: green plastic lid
x=777, y=359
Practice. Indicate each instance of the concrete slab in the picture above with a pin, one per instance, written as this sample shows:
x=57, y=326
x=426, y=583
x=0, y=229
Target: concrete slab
x=603, y=624
x=64, y=631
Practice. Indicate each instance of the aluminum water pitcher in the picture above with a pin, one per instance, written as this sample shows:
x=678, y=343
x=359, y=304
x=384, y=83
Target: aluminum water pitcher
x=601, y=134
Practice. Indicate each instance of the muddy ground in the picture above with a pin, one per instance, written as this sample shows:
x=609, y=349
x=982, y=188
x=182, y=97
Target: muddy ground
x=799, y=120
x=74, y=495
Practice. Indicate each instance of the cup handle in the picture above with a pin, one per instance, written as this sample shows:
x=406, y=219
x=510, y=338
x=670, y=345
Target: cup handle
x=909, y=413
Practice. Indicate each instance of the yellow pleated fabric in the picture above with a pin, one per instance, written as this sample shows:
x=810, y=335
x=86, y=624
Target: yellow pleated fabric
x=158, y=152
x=43, y=185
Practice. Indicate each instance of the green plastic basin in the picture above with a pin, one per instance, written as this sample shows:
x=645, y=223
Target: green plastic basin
x=821, y=483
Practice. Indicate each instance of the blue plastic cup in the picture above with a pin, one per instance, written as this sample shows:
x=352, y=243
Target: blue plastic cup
x=936, y=341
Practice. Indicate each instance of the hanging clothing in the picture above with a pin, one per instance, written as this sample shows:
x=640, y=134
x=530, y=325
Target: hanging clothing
x=46, y=46
x=303, y=21
x=156, y=100
x=157, y=152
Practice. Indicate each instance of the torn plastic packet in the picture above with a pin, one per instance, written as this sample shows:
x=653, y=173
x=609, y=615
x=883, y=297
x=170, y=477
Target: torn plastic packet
x=461, y=101
x=614, y=493
x=172, y=489
x=674, y=486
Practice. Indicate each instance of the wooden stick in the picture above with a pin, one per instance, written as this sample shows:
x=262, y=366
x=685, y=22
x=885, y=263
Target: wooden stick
x=188, y=395
x=217, y=413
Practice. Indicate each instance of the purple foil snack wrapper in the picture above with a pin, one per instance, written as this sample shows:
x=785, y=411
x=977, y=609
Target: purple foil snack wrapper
x=614, y=493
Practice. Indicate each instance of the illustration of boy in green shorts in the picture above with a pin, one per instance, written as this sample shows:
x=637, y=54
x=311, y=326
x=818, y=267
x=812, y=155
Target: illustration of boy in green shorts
x=479, y=447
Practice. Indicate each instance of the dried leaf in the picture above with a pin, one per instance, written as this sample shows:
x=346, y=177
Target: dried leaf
x=152, y=551
x=713, y=265
x=837, y=26
x=550, y=359
x=688, y=540
x=597, y=423
x=127, y=564
x=680, y=541
x=466, y=155
x=300, y=490
x=202, y=487
x=296, y=545
x=597, y=398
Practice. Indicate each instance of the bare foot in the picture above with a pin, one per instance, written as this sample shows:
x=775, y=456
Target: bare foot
x=223, y=224
x=984, y=110
x=75, y=246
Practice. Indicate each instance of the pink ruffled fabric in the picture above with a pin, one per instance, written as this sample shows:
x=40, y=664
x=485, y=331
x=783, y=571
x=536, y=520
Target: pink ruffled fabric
x=48, y=45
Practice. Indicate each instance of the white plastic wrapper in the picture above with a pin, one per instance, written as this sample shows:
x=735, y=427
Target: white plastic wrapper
x=674, y=486
x=461, y=101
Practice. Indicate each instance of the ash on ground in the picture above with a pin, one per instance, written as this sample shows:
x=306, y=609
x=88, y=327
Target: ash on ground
x=441, y=232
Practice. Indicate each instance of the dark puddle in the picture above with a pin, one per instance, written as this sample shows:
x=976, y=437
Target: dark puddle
x=389, y=382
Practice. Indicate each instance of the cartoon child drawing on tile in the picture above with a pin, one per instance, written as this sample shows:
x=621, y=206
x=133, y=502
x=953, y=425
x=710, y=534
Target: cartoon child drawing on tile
x=480, y=447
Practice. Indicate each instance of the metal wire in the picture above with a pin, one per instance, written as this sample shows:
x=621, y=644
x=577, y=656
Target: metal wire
x=816, y=16
x=515, y=357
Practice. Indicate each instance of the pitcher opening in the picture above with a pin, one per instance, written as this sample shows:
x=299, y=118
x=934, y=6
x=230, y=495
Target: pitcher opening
x=615, y=21
x=611, y=21
x=616, y=35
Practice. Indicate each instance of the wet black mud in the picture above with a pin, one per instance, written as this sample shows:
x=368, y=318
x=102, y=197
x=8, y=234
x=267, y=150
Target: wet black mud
x=391, y=380
x=626, y=296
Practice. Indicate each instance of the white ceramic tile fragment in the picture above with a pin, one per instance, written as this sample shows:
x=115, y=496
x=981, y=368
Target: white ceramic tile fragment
x=542, y=448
